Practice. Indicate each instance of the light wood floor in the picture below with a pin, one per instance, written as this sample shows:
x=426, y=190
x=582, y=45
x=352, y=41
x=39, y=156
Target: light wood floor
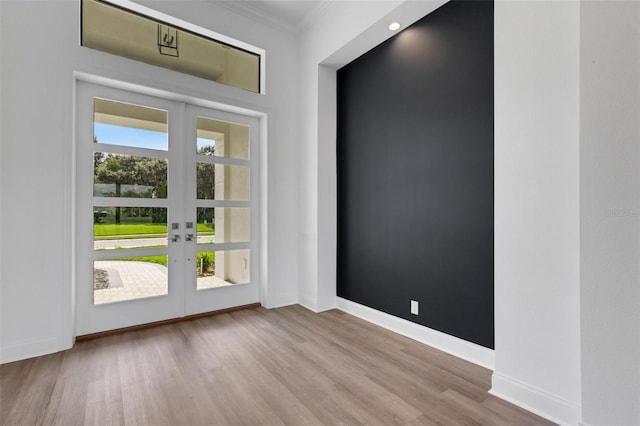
x=253, y=367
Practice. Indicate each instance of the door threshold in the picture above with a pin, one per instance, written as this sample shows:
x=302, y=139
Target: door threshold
x=100, y=334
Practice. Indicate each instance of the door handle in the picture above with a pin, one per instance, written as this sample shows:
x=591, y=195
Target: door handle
x=188, y=237
x=175, y=238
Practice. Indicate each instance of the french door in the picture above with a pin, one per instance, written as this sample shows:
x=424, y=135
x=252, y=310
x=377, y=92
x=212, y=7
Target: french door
x=167, y=209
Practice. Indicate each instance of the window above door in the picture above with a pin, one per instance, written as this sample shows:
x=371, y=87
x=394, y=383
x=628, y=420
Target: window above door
x=135, y=32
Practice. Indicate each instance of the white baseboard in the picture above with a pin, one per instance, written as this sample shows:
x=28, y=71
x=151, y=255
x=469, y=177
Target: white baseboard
x=28, y=349
x=471, y=352
x=280, y=302
x=537, y=401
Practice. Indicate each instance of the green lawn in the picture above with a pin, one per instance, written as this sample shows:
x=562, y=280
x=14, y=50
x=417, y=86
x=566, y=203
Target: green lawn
x=123, y=231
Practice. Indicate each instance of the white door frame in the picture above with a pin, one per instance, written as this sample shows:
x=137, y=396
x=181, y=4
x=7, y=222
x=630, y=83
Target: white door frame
x=91, y=318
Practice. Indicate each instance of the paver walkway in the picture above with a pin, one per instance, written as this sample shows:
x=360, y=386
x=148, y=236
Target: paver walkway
x=134, y=280
x=131, y=280
x=211, y=282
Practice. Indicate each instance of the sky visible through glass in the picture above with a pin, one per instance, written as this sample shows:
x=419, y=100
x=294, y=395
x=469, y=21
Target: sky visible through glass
x=140, y=138
x=127, y=136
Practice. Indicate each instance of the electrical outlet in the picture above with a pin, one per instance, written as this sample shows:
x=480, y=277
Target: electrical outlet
x=414, y=307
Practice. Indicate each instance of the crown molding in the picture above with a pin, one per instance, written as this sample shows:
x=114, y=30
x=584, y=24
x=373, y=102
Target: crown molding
x=271, y=19
x=314, y=14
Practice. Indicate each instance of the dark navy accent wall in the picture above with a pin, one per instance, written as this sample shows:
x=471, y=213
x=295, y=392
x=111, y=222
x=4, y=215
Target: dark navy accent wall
x=415, y=173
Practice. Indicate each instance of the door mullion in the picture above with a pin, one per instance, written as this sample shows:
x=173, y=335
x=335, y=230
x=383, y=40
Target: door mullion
x=176, y=199
x=189, y=191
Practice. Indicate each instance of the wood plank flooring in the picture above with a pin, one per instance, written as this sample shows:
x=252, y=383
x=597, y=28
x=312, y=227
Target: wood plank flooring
x=285, y=366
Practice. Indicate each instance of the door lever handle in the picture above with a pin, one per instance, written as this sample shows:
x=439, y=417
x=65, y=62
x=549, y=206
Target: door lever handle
x=188, y=237
x=175, y=238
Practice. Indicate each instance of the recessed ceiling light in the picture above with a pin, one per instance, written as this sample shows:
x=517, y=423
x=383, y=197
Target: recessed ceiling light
x=394, y=26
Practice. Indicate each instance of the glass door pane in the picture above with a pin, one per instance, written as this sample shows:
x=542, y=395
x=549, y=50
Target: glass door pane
x=122, y=231
x=222, y=139
x=223, y=225
x=223, y=177
x=129, y=162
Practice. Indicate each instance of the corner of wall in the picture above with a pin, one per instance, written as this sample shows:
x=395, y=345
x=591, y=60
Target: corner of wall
x=610, y=212
x=537, y=207
x=308, y=302
x=535, y=400
x=325, y=46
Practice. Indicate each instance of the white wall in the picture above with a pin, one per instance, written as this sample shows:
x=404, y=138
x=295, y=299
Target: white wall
x=537, y=257
x=610, y=212
x=329, y=33
x=344, y=32
x=538, y=162
x=1, y=273
x=40, y=52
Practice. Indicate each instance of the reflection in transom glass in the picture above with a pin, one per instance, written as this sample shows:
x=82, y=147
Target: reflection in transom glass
x=116, y=30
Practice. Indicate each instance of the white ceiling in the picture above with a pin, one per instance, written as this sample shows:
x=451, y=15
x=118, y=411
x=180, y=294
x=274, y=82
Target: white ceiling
x=285, y=14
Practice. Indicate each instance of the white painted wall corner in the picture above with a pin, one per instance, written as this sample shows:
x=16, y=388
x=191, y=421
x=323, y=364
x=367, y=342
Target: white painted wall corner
x=535, y=400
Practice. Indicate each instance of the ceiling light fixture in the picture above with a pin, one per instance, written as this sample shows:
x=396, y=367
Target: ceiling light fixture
x=394, y=26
